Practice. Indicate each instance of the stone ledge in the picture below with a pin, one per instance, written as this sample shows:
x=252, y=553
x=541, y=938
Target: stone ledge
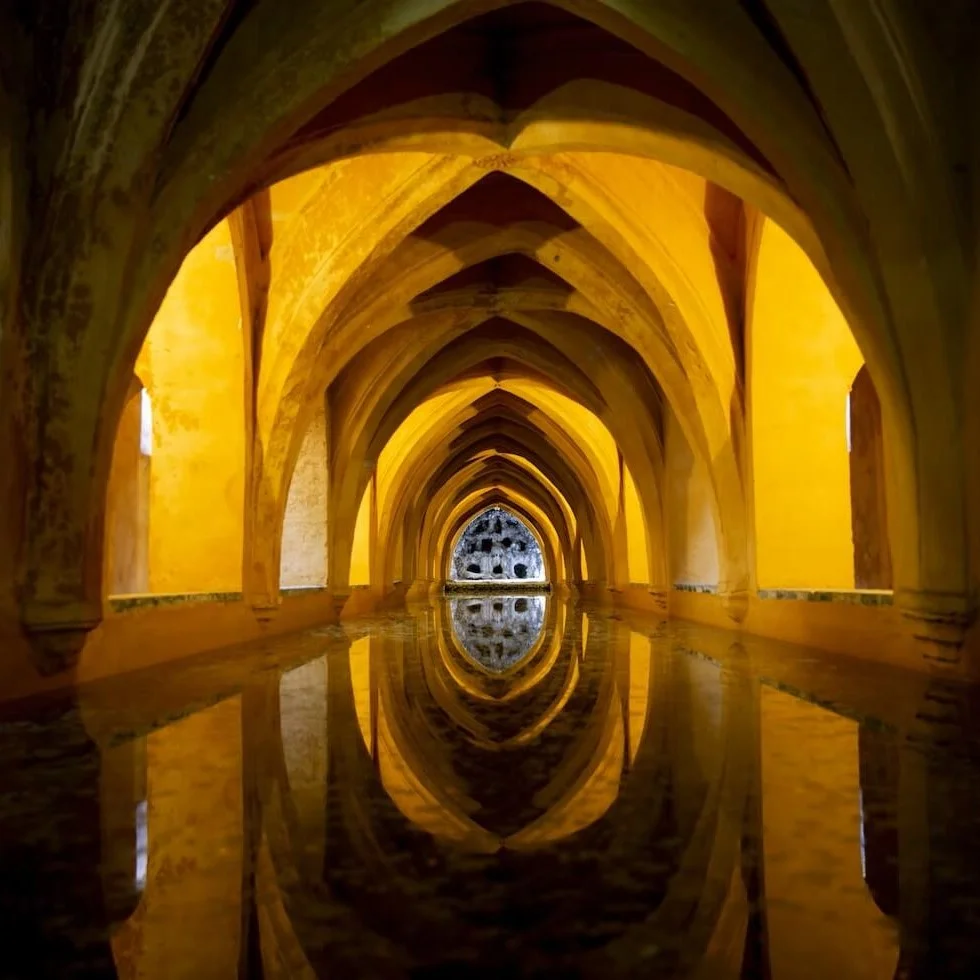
x=508, y=587
x=129, y=603
x=854, y=597
x=290, y=590
x=694, y=587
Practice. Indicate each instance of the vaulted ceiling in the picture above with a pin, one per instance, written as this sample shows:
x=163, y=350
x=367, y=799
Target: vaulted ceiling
x=491, y=210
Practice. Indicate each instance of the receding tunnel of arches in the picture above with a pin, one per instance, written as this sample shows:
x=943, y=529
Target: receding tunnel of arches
x=502, y=347
x=449, y=371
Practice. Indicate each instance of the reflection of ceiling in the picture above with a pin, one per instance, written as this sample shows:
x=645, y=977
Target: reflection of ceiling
x=498, y=631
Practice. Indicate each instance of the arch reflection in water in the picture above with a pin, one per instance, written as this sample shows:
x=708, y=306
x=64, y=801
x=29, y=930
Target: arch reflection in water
x=497, y=631
x=613, y=807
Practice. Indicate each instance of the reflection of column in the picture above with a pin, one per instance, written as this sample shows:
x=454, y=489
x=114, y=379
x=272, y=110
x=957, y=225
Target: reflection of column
x=122, y=786
x=822, y=920
x=191, y=908
x=51, y=899
x=303, y=720
x=697, y=924
x=755, y=951
x=127, y=501
x=879, y=800
x=939, y=825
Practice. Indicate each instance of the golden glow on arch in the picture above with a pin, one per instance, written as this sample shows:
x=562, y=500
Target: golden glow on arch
x=623, y=318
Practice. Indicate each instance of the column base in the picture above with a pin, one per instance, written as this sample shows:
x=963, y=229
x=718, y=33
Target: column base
x=338, y=601
x=735, y=602
x=939, y=621
x=266, y=608
x=57, y=633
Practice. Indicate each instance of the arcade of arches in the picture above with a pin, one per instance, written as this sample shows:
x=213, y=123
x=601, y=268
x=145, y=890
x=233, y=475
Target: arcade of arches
x=287, y=301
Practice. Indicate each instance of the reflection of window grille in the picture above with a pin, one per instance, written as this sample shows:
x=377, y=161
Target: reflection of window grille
x=500, y=631
x=146, y=423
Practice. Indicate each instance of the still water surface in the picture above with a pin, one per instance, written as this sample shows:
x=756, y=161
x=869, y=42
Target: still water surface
x=495, y=786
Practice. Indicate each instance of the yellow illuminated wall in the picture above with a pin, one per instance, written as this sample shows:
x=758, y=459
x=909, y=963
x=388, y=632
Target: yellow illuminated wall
x=360, y=561
x=128, y=499
x=192, y=365
x=692, y=538
x=636, y=531
x=304, y=530
x=802, y=360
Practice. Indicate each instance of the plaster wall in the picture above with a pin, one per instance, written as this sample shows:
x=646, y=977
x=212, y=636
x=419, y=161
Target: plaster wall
x=360, y=560
x=194, y=365
x=802, y=359
x=127, y=505
x=304, y=531
x=691, y=534
x=638, y=556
